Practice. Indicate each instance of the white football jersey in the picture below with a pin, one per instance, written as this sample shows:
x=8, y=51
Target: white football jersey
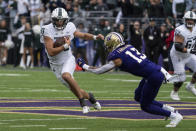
x=50, y=31
x=189, y=39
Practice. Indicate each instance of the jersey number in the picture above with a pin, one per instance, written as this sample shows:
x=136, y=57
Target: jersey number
x=138, y=58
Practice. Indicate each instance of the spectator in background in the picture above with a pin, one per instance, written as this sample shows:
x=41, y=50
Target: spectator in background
x=151, y=38
x=131, y=8
x=92, y=6
x=3, y=5
x=28, y=44
x=35, y=8
x=80, y=44
x=101, y=6
x=23, y=7
x=76, y=13
x=123, y=32
x=178, y=8
x=68, y=8
x=156, y=9
x=99, y=44
x=44, y=16
x=191, y=5
x=19, y=22
x=111, y=4
x=135, y=35
x=164, y=33
x=167, y=5
x=4, y=35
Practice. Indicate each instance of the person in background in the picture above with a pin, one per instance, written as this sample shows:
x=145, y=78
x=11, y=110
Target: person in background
x=4, y=35
x=135, y=35
x=28, y=45
x=152, y=41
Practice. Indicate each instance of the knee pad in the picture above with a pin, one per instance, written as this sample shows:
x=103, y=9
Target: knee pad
x=178, y=84
x=194, y=75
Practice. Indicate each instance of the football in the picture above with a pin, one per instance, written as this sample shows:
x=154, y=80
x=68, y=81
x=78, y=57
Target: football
x=59, y=42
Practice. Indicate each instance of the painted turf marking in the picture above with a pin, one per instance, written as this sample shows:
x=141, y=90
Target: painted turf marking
x=101, y=98
x=8, y=74
x=48, y=119
x=67, y=128
x=27, y=126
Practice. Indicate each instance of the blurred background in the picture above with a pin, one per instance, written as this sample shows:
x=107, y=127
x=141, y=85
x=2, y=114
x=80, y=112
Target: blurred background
x=146, y=24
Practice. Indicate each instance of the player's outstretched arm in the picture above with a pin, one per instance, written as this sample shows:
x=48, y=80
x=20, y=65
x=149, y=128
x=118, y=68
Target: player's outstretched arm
x=88, y=36
x=52, y=51
x=97, y=70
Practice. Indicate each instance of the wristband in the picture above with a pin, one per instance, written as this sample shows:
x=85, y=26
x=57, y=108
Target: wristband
x=94, y=37
x=188, y=50
x=66, y=47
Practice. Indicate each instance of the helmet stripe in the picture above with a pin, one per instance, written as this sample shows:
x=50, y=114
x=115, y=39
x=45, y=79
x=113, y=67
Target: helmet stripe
x=60, y=12
x=191, y=15
x=121, y=40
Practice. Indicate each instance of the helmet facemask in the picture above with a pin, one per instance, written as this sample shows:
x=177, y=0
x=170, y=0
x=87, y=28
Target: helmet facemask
x=59, y=24
x=190, y=23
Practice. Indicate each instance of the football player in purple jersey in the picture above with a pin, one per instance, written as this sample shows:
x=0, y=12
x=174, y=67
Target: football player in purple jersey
x=128, y=59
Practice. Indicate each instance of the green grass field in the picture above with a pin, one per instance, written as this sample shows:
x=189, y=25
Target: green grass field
x=41, y=85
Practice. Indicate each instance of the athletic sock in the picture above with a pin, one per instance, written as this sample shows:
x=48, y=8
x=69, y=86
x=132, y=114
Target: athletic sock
x=92, y=98
x=82, y=102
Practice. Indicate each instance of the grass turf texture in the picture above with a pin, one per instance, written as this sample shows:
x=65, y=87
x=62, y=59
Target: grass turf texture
x=41, y=84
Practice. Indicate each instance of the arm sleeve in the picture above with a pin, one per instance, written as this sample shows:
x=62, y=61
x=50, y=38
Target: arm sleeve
x=102, y=69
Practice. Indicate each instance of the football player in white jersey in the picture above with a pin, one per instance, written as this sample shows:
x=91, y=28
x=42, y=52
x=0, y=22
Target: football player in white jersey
x=61, y=60
x=183, y=53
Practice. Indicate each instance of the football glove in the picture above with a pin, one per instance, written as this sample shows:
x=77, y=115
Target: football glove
x=81, y=62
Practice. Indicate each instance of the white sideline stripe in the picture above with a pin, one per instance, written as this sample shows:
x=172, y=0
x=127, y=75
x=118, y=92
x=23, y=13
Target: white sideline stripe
x=8, y=74
x=28, y=126
x=67, y=128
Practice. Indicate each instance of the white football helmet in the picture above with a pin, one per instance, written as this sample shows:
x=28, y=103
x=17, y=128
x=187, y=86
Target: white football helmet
x=113, y=40
x=189, y=19
x=60, y=18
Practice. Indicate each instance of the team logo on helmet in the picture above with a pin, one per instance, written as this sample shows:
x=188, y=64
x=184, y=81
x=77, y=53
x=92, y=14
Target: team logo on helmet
x=113, y=40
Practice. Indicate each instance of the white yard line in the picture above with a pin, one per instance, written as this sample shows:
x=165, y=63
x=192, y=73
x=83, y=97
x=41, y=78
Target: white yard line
x=27, y=126
x=8, y=74
x=67, y=128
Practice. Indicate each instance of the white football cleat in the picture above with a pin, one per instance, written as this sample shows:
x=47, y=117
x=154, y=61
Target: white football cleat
x=175, y=120
x=174, y=95
x=97, y=106
x=191, y=87
x=85, y=109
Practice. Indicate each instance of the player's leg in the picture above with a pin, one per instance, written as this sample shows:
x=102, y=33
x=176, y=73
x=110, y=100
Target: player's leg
x=149, y=92
x=67, y=75
x=192, y=65
x=179, y=65
x=138, y=90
